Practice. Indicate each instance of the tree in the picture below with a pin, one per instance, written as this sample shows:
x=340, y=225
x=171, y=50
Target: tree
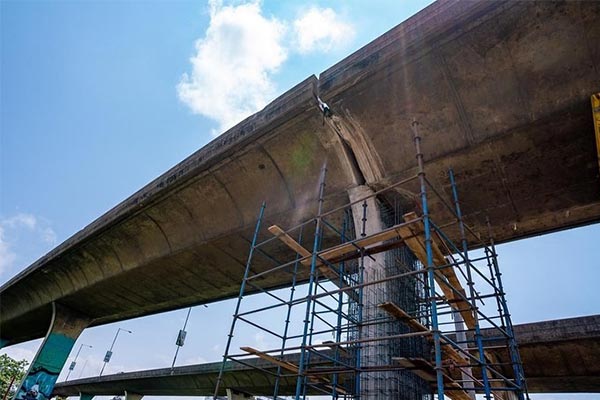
x=13, y=371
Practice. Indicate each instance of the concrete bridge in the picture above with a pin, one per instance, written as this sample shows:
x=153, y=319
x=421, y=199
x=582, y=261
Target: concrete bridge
x=502, y=92
x=558, y=357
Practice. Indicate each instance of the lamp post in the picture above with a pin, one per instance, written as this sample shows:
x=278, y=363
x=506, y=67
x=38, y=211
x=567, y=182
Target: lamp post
x=109, y=352
x=72, y=366
x=181, y=338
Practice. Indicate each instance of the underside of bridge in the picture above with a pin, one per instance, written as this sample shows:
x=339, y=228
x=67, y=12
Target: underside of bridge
x=501, y=92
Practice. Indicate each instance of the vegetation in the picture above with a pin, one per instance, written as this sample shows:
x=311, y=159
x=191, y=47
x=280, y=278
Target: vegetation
x=13, y=371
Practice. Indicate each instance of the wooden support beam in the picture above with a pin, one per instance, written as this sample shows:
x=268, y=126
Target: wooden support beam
x=307, y=255
x=371, y=244
x=595, y=98
x=423, y=373
x=413, y=235
x=289, y=241
x=403, y=316
x=425, y=370
x=291, y=367
x=448, y=352
x=283, y=364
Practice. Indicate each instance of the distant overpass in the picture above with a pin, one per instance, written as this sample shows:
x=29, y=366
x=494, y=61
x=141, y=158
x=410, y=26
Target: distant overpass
x=559, y=356
x=502, y=92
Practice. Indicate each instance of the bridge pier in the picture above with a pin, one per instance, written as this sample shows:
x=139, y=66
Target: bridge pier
x=65, y=328
x=133, y=396
x=234, y=395
x=85, y=396
x=372, y=216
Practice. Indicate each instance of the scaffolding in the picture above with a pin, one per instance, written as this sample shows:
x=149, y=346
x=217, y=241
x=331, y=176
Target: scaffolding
x=379, y=302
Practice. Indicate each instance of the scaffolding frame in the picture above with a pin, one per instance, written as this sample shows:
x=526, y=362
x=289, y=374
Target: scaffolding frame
x=436, y=341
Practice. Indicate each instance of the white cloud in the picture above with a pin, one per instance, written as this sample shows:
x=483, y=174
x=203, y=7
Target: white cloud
x=21, y=220
x=20, y=352
x=7, y=256
x=48, y=235
x=321, y=29
x=22, y=224
x=232, y=69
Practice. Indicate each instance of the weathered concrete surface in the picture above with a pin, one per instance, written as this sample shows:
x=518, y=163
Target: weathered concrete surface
x=502, y=92
x=191, y=380
x=561, y=356
x=558, y=356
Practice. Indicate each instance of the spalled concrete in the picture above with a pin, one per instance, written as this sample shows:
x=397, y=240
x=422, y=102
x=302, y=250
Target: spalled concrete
x=502, y=93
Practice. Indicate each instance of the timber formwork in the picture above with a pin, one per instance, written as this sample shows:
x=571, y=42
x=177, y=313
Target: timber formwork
x=381, y=302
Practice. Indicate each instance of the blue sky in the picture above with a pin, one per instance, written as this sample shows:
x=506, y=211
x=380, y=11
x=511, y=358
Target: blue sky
x=100, y=97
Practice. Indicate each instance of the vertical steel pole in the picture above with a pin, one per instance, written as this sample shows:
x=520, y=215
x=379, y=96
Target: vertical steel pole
x=470, y=284
x=430, y=267
x=178, y=347
x=340, y=299
x=241, y=295
x=75, y=360
x=111, y=347
x=316, y=243
x=513, y=349
x=287, y=317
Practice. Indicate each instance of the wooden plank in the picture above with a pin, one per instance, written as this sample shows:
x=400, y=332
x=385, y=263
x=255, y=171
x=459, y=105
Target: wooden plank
x=403, y=316
x=283, y=364
x=372, y=244
x=409, y=364
x=413, y=236
x=595, y=98
x=325, y=270
x=448, y=352
x=290, y=367
x=351, y=247
x=288, y=240
x=425, y=370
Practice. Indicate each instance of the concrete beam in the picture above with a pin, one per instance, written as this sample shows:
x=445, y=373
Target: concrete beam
x=560, y=356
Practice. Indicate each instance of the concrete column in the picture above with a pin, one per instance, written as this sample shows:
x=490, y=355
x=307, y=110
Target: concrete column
x=461, y=336
x=133, y=396
x=85, y=396
x=377, y=384
x=65, y=328
x=233, y=395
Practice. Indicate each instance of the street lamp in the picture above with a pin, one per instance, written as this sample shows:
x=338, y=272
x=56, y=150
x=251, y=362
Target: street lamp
x=109, y=352
x=181, y=337
x=72, y=366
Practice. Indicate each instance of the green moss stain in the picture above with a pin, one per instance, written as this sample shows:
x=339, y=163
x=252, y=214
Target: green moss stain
x=303, y=154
